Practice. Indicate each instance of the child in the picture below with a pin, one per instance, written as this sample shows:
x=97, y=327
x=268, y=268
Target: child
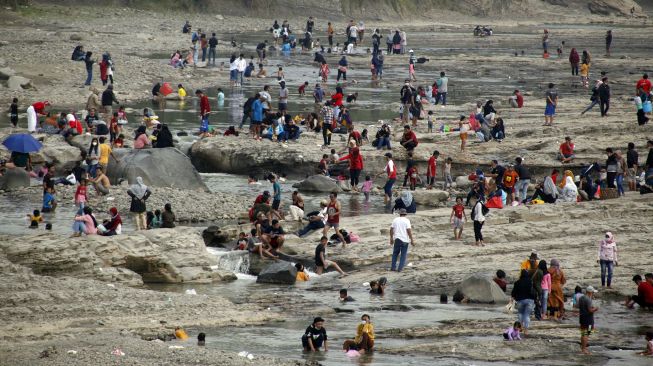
x=13, y=110
x=448, y=179
x=220, y=96
x=324, y=71
x=49, y=201
x=649, y=345
x=413, y=175
x=114, y=127
x=122, y=116
x=280, y=74
x=584, y=74
x=324, y=165
x=578, y=293
x=241, y=243
x=367, y=187
x=464, y=127
x=500, y=279
x=35, y=218
x=117, y=143
x=302, y=89
x=458, y=218
x=431, y=170
x=512, y=333
x=333, y=159
x=81, y=195
x=430, y=119
x=343, y=297
x=301, y=275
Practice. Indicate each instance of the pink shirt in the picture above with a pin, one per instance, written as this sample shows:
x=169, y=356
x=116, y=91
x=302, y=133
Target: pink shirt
x=88, y=223
x=546, y=282
x=141, y=141
x=367, y=186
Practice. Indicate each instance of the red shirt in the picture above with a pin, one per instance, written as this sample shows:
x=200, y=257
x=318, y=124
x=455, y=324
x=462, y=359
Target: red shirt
x=410, y=136
x=431, y=170
x=391, y=169
x=644, y=84
x=645, y=290
x=301, y=88
x=458, y=210
x=39, y=107
x=336, y=99
x=520, y=100
x=103, y=70
x=356, y=135
x=355, y=159
x=205, y=107
x=567, y=149
x=76, y=125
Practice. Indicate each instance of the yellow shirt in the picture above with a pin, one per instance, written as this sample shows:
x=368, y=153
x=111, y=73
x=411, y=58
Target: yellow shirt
x=584, y=70
x=181, y=92
x=105, y=151
x=527, y=265
x=302, y=276
x=181, y=334
x=364, y=328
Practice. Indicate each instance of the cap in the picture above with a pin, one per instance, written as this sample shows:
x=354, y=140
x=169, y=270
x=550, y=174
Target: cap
x=402, y=211
x=591, y=289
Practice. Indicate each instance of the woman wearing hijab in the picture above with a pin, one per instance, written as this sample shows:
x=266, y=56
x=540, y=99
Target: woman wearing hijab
x=563, y=181
x=164, y=137
x=607, y=257
x=342, y=69
x=140, y=138
x=139, y=193
x=112, y=226
x=406, y=202
x=556, y=297
x=570, y=191
x=547, y=191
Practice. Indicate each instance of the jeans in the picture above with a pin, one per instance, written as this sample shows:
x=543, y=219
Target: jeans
x=544, y=299
x=574, y=69
x=379, y=70
x=326, y=136
x=400, y=250
x=312, y=225
x=441, y=97
x=524, y=309
x=609, y=266
x=89, y=77
x=203, y=54
x=594, y=102
x=79, y=227
x=341, y=74
x=354, y=174
x=522, y=189
x=246, y=116
x=620, y=184
x=196, y=55
x=383, y=142
x=605, y=106
x=478, y=226
x=240, y=76
x=212, y=55
x=388, y=187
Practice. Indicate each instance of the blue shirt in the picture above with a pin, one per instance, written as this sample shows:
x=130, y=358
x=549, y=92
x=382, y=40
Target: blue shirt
x=277, y=191
x=47, y=200
x=257, y=111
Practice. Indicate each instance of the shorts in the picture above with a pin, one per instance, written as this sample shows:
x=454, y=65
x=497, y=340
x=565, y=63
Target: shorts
x=509, y=190
x=586, y=330
x=334, y=225
x=275, y=204
x=233, y=75
x=458, y=222
x=550, y=110
x=283, y=106
x=463, y=136
x=411, y=68
x=387, y=188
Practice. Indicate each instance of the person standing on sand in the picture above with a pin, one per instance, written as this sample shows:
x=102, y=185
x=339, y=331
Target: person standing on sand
x=574, y=60
x=607, y=258
x=608, y=42
x=479, y=219
x=443, y=87
x=333, y=218
x=401, y=235
x=556, y=297
x=586, y=318
x=88, y=61
x=139, y=193
x=551, y=103
x=604, y=97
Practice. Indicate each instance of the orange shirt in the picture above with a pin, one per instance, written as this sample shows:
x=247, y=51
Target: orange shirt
x=510, y=178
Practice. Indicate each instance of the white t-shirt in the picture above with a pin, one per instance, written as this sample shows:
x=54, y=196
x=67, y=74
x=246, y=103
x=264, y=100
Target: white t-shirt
x=233, y=65
x=478, y=212
x=283, y=95
x=353, y=31
x=400, y=226
x=241, y=64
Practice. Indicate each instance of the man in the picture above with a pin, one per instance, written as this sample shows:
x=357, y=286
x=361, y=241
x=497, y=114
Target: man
x=267, y=98
x=551, y=103
x=524, y=179
x=247, y=110
x=391, y=170
x=257, y=116
x=496, y=173
x=205, y=110
x=321, y=263
x=108, y=98
x=213, y=43
x=105, y=153
x=333, y=218
x=316, y=220
x=517, y=99
x=310, y=24
x=586, y=318
x=401, y=235
x=644, y=297
x=274, y=236
x=409, y=139
x=632, y=163
x=353, y=34
x=260, y=50
x=531, y=263
x=330, y=33
x=283, y=97
x=443, y=87
x=608, y=42
x=566, y=151
x=604, y=97
x=407, y=93
x=643, y=85
x=241, y=65
x=318, y=93
x=101, y=182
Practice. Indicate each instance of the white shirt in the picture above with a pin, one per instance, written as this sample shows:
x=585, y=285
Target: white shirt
x=233, y=65
x=267, y=97
x=353, y=31
x=241, y=64
x=400, y=226
x=478, y=212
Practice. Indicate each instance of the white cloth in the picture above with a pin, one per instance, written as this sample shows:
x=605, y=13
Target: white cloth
x=570, y=191
x=400, y=226
x=31, y=119
x=478, y=212
x=241, y=64
x=139, y=189
x=296, y=213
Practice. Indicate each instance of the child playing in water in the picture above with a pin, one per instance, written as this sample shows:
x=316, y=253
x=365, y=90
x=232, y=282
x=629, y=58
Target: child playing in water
x=367, y=187
x=302, y=89
x=81, y=195
x=458, y=218
x=649, y=345
x=280, y=74
x=35, y=219
x=301, y=274
x=324, y=71
x=448, y=179
x=512, y=333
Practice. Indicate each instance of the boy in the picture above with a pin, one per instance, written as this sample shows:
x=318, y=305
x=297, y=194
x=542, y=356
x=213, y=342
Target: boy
x=448, y=179
x=458, y=218
x=649, y=345
x=510, y=177
x=302, y=89
x=321, y=263
x=35, y=218
x=114, y=128
x=323, y=166
x=241, y=243
x=429, y=120
x=431, y=170
x=344, y=297
x=49, y=201
x=14, y=112
x=301, y=275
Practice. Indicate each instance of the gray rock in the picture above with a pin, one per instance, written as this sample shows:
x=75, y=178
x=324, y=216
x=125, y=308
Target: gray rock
x=278, y=272
x=166, y=167
x=432, y=197
x=56, y=150
x=481, y=289
x=75, y=37
x=16, y=82
x=318, y=183
x=14, y=179
x=6, y=73
x=214, y=237
x=463, y=182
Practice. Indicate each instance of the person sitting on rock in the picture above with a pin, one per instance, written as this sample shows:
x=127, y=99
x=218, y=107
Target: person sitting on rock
x=301, y=273
x=321, y=263
x=409, y=139
x=274, y=236
x=364, y=340
x=316, y=219
x=405, y=201
x=101, y=182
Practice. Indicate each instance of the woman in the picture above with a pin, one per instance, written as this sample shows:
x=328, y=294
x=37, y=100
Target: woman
x=355, y=164
x=563, y=181
x=570, y=191
x=546, y=288
x=479, y=220
x=524, y=296
x=139, y=193
x=556, y=297
x=607, y=258
x=113, y=226
x=85, y=223
x=342, y=69
x=498, y=131
x=574, y=60
x=141, y=140
x=382, y=138
x=93, y=157
x=364, y=340
x=536, y=278
x=405, y=201
x=88, y=61
x=547, y=192
x=396, y=43
x=164, y=137
x=489, y=113
x=622, y=169
x=168, y=217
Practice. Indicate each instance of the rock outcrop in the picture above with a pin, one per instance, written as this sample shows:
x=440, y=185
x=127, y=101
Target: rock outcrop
x=279, y=272
x=153, y=256
x=433, y=197
x=14, y=179
x=318, y=183
x=481, y=289
x=57, y=151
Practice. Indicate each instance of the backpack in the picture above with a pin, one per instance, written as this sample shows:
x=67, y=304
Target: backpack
x=345, y=235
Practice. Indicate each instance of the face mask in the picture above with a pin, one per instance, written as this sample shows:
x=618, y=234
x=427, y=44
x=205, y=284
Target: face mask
x=95, y=144
x=363, y=322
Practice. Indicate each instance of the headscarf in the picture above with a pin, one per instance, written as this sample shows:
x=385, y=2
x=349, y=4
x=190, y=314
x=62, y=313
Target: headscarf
x=555, y=264
x=550, y=187
x=139, y=189
x=406, y=198
x=568, y=173
x=570, y=191
x=609, y=237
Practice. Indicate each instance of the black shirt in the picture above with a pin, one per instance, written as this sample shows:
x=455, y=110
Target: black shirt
x=632, y=158
x=498, y=170
x=260, y=46
x=309, y=26
x=649, y=159
x=523, y=289
x=347, y=299
x=586, y=317
x=271, y=230
x=318, y=259
x=523, y=172
x=315, y=333
x=14, y=111
x=213, y=42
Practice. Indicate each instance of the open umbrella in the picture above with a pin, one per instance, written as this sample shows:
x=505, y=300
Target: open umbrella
x=22, y=142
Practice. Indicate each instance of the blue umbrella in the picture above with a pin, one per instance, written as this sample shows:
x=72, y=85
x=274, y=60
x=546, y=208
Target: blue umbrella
x=22, y=142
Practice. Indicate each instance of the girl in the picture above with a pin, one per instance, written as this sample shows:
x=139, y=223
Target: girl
x=512, y=333
x=458, y=218
x=430, y=119
x=114, y=127
x=448, y=179
x=324, y=71
x=342, y=69
x=584, y=74
x=367, y=187
x=93, y=157
x=413, y=175
x=85, y=223
x=546, y=288
x=81, y=195
x=463, y=125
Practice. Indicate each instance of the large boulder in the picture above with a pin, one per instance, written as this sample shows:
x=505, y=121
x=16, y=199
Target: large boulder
x=166, y=167
x=280, y=272
x=431, y=197
x=16, y=82
x=56, y=150
x=214, y=237
x=479, y=288
x=463, y=182
x=613, y=7
x=153, y=256
x=318, y=183
x=13, y=179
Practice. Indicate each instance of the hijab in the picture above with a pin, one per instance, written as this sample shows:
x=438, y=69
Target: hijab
x=570, y=191
x=139, y=189
x=406, y=198
x=550, y=187
x=609, y=238
x=568, y=173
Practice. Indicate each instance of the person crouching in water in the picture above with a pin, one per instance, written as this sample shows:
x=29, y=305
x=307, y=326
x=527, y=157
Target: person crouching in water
x=364, y=340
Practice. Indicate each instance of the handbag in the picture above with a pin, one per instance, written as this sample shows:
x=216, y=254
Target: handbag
x=647, y=107
x=510, y=307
